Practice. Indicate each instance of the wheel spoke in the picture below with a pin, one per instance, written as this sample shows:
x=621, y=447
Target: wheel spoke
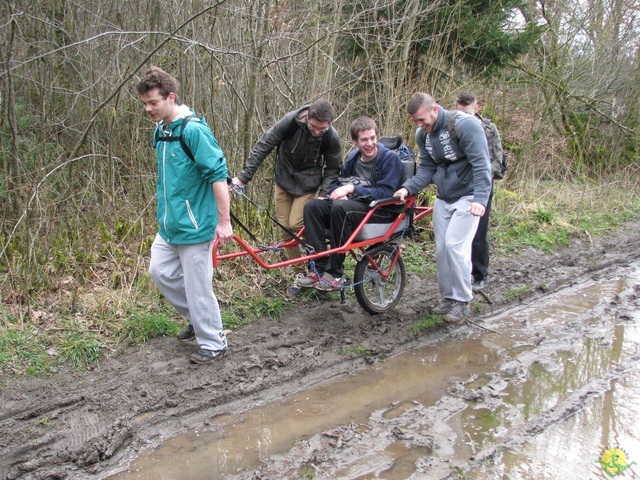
x=375, y=293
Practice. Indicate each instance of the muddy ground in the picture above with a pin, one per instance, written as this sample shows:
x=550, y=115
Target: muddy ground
x=83, y=425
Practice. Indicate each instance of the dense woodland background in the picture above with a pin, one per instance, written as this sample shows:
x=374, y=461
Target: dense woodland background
x=560, y=78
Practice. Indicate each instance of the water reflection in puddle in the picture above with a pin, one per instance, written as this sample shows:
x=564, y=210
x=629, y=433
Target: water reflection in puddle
x=240, y=440
x=535, y=364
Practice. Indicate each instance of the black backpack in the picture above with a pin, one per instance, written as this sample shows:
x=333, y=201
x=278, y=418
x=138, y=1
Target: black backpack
x=496, y=155
x=496, y=152
x=179, y=138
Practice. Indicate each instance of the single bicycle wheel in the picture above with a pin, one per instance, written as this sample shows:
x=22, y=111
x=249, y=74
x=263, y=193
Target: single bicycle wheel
x=375, y=293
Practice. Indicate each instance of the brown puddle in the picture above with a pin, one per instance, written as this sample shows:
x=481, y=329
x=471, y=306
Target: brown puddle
x=539, y=394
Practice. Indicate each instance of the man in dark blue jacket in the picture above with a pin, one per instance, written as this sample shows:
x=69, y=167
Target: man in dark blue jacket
x=460, y=170
x=372, y=172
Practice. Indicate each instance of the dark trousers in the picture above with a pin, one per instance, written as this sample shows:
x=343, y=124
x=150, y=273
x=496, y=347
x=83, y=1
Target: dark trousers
x=480, y=245
x=341, y=218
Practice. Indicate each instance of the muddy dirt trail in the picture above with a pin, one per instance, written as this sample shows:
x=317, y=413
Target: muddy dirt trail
x=85, y=425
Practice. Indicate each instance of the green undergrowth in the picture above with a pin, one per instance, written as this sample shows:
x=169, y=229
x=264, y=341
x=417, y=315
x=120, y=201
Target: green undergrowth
x=244, y=313
x=546, y=215
x=427, y=323
x=517, y=292
x=75, y=321
x=355, y=351
x=79, y=337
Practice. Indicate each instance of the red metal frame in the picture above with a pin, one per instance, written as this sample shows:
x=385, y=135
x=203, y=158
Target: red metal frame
x=350, y=245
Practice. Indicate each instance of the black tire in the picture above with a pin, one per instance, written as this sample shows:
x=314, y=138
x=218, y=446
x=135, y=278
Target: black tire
x=374, y=294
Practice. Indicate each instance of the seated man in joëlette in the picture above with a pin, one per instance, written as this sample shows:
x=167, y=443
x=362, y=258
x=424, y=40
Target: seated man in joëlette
x=372, y=172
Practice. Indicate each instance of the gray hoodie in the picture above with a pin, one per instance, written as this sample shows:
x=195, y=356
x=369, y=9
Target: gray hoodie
x=457, y=169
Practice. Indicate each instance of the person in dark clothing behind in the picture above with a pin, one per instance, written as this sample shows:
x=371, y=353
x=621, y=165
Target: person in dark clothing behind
x=372, y=172
x=468, y=102
x=308, y=160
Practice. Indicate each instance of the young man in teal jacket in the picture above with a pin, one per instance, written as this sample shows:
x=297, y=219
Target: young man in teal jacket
x=192, y=210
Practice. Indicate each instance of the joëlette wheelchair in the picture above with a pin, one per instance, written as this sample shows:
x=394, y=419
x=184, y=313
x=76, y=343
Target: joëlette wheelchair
x=379, y=276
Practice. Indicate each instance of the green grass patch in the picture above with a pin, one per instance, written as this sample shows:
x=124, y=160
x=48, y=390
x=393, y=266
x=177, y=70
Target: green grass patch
x=139, y=328
x=271, y=308
x=546, y=215
x=79, y=337
x=419, y=257
x=242, y=313
x=516, y=292
x=22, y=353
x=355, y=351
x=539, y=228
x=80, y=349
x=426, y=323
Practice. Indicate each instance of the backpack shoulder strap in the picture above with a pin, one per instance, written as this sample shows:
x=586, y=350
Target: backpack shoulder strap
x=451, y=125
x=488, y=129
x=291, y=131
x=183, y=144
x=179, y=138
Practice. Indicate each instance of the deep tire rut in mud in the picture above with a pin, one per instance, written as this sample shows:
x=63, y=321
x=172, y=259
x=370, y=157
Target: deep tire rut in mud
x=81, y=425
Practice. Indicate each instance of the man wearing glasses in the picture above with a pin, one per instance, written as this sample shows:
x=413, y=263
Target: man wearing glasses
x=308, y=160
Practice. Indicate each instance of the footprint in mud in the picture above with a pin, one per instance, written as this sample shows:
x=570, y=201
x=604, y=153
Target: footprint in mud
x=198, y=392
x=397, y=409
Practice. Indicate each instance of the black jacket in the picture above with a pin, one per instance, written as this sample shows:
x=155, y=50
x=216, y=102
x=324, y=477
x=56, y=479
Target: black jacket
x=303, y=162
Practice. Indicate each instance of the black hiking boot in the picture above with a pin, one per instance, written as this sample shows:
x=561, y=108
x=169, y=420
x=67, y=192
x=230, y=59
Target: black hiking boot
x=187, y=334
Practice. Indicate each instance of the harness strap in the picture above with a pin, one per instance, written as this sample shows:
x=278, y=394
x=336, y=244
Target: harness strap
x=301, y=242
x=243, y=227
x=179, y=138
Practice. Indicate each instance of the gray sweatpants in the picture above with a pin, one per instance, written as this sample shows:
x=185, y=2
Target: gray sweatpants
x=183, y=274
x=454, y=228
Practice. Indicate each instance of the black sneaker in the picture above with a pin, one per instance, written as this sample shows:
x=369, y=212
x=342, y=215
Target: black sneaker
x=478, y=284
x=187, y=334
x=204, y=356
